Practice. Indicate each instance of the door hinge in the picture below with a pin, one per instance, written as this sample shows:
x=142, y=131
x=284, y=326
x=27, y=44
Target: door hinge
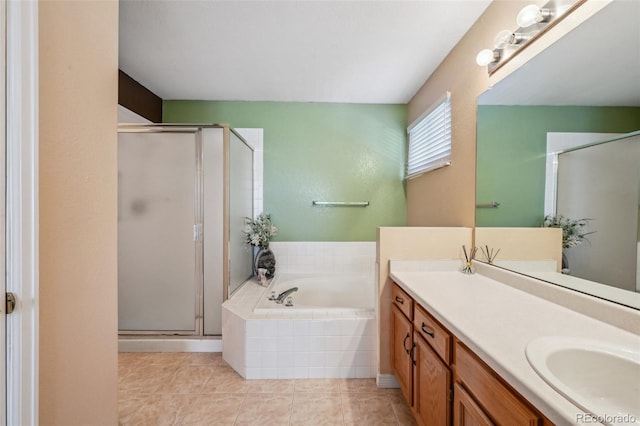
x=10, y=304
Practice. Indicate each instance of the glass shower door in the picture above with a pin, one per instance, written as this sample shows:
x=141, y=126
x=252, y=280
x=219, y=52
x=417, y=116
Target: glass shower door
x=240, y=208
x=157, y=244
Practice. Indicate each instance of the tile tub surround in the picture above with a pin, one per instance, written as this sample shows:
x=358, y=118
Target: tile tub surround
x=315, y=257
x=497, y=320
x=201, y=389
x=307, y=345
x=297, y=345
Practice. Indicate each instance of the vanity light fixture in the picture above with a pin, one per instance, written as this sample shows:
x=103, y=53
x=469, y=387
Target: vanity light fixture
x=518, y=38
x=532, y=21
x=502, y=39
x=487, y=56
x=533, y=14
x=506, y=38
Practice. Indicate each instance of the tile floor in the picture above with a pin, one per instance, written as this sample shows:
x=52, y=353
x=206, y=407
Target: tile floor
x=201, y=389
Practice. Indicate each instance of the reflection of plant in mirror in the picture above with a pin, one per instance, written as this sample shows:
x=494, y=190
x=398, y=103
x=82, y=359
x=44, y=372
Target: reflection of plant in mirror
x=573, y=230
x=490, y=254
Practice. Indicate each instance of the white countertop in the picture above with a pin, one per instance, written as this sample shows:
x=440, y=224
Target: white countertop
x=497, y=321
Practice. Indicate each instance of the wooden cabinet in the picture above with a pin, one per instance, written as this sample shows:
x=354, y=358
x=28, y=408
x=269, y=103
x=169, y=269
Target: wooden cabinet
x=401, y=347
x=431, y=386
x=500, y=403
x=465, y=410
x=443, y=381
x=433, y=333
x=421, y=366
x=402, y=301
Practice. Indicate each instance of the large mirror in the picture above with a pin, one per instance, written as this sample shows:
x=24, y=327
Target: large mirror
x=559, y=137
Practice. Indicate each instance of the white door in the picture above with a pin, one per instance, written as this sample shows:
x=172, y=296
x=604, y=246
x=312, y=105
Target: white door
x=18, y=211
x=3, y=284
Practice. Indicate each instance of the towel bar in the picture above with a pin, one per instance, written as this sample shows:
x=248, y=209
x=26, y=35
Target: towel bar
x=341, y=203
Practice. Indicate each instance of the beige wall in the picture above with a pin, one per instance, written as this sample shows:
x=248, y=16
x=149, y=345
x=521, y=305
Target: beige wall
x=78, y=194
x=407, y=243
x=522, y=243
x=446, y=197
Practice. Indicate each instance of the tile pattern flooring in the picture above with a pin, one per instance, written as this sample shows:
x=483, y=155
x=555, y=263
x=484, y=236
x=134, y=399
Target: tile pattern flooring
x=201, y=389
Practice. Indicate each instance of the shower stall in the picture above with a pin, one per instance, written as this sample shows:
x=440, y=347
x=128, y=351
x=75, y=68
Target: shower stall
x=184, y=192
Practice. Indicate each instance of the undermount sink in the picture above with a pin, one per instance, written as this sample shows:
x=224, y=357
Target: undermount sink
x=602, y=379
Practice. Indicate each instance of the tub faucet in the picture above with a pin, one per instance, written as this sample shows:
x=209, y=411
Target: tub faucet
x=282, y=296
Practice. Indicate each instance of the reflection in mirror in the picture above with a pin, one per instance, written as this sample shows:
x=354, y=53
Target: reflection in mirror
x=601, y=182
x=587, y=82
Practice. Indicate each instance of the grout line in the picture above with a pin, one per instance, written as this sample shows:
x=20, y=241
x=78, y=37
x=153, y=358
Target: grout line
x=342, y=409
x=244, y=398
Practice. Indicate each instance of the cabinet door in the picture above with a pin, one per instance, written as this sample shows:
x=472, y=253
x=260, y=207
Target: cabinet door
x=502, y=404
x=401, y=344
x=431, y=386
x=465, y=410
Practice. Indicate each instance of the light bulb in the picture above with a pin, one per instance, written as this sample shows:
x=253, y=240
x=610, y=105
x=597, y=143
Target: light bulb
x=503, y=39
x=528, y=16
x=486, y=56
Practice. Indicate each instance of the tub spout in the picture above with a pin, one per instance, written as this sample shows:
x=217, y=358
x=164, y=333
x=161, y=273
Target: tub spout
x=282, y=296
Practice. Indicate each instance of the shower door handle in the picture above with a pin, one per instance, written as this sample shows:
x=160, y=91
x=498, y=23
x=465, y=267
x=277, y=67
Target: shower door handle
x=197, y=232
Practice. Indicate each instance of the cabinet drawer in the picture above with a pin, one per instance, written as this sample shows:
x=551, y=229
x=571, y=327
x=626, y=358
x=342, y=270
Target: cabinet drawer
x=403, y=301
x=437, y=336
x=503, y=405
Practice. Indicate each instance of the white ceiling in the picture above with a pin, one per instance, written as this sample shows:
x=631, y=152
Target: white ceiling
x=365, y=51
x=598, y=64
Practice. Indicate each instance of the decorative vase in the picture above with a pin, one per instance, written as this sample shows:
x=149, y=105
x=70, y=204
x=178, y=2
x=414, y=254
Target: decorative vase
x=265, y=259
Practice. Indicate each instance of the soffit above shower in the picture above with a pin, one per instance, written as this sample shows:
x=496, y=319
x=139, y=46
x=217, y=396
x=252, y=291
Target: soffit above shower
x=299, y=51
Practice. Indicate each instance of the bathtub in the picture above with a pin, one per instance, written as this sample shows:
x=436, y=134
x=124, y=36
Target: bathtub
x=320, y=293
x=330, y=332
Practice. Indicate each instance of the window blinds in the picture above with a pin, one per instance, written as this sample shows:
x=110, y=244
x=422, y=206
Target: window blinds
x=430, y=139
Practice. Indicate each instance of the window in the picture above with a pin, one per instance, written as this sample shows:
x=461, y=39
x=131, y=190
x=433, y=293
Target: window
x=430, y=139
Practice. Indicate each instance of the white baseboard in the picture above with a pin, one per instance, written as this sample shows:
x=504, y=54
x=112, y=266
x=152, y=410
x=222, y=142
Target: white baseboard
x=169, y=345
x=387, y=381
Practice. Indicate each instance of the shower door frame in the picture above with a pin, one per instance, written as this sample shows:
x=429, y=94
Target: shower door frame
x=200, y=215
x=196, y=131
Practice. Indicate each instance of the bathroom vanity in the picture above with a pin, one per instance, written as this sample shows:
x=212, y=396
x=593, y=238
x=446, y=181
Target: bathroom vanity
x=459, y=347
x=422, y=359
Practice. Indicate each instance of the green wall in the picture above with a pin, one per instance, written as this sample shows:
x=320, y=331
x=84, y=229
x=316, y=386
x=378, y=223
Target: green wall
x=320, y=151
x=511, y=154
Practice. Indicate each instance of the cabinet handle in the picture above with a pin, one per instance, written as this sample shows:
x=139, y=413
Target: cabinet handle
x=413, y=350
x=400, y=300
x=404, y=343
x=427, y=331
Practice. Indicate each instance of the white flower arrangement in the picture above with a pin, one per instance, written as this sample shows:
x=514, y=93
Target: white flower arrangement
x=259, y=232
x=573, y=232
